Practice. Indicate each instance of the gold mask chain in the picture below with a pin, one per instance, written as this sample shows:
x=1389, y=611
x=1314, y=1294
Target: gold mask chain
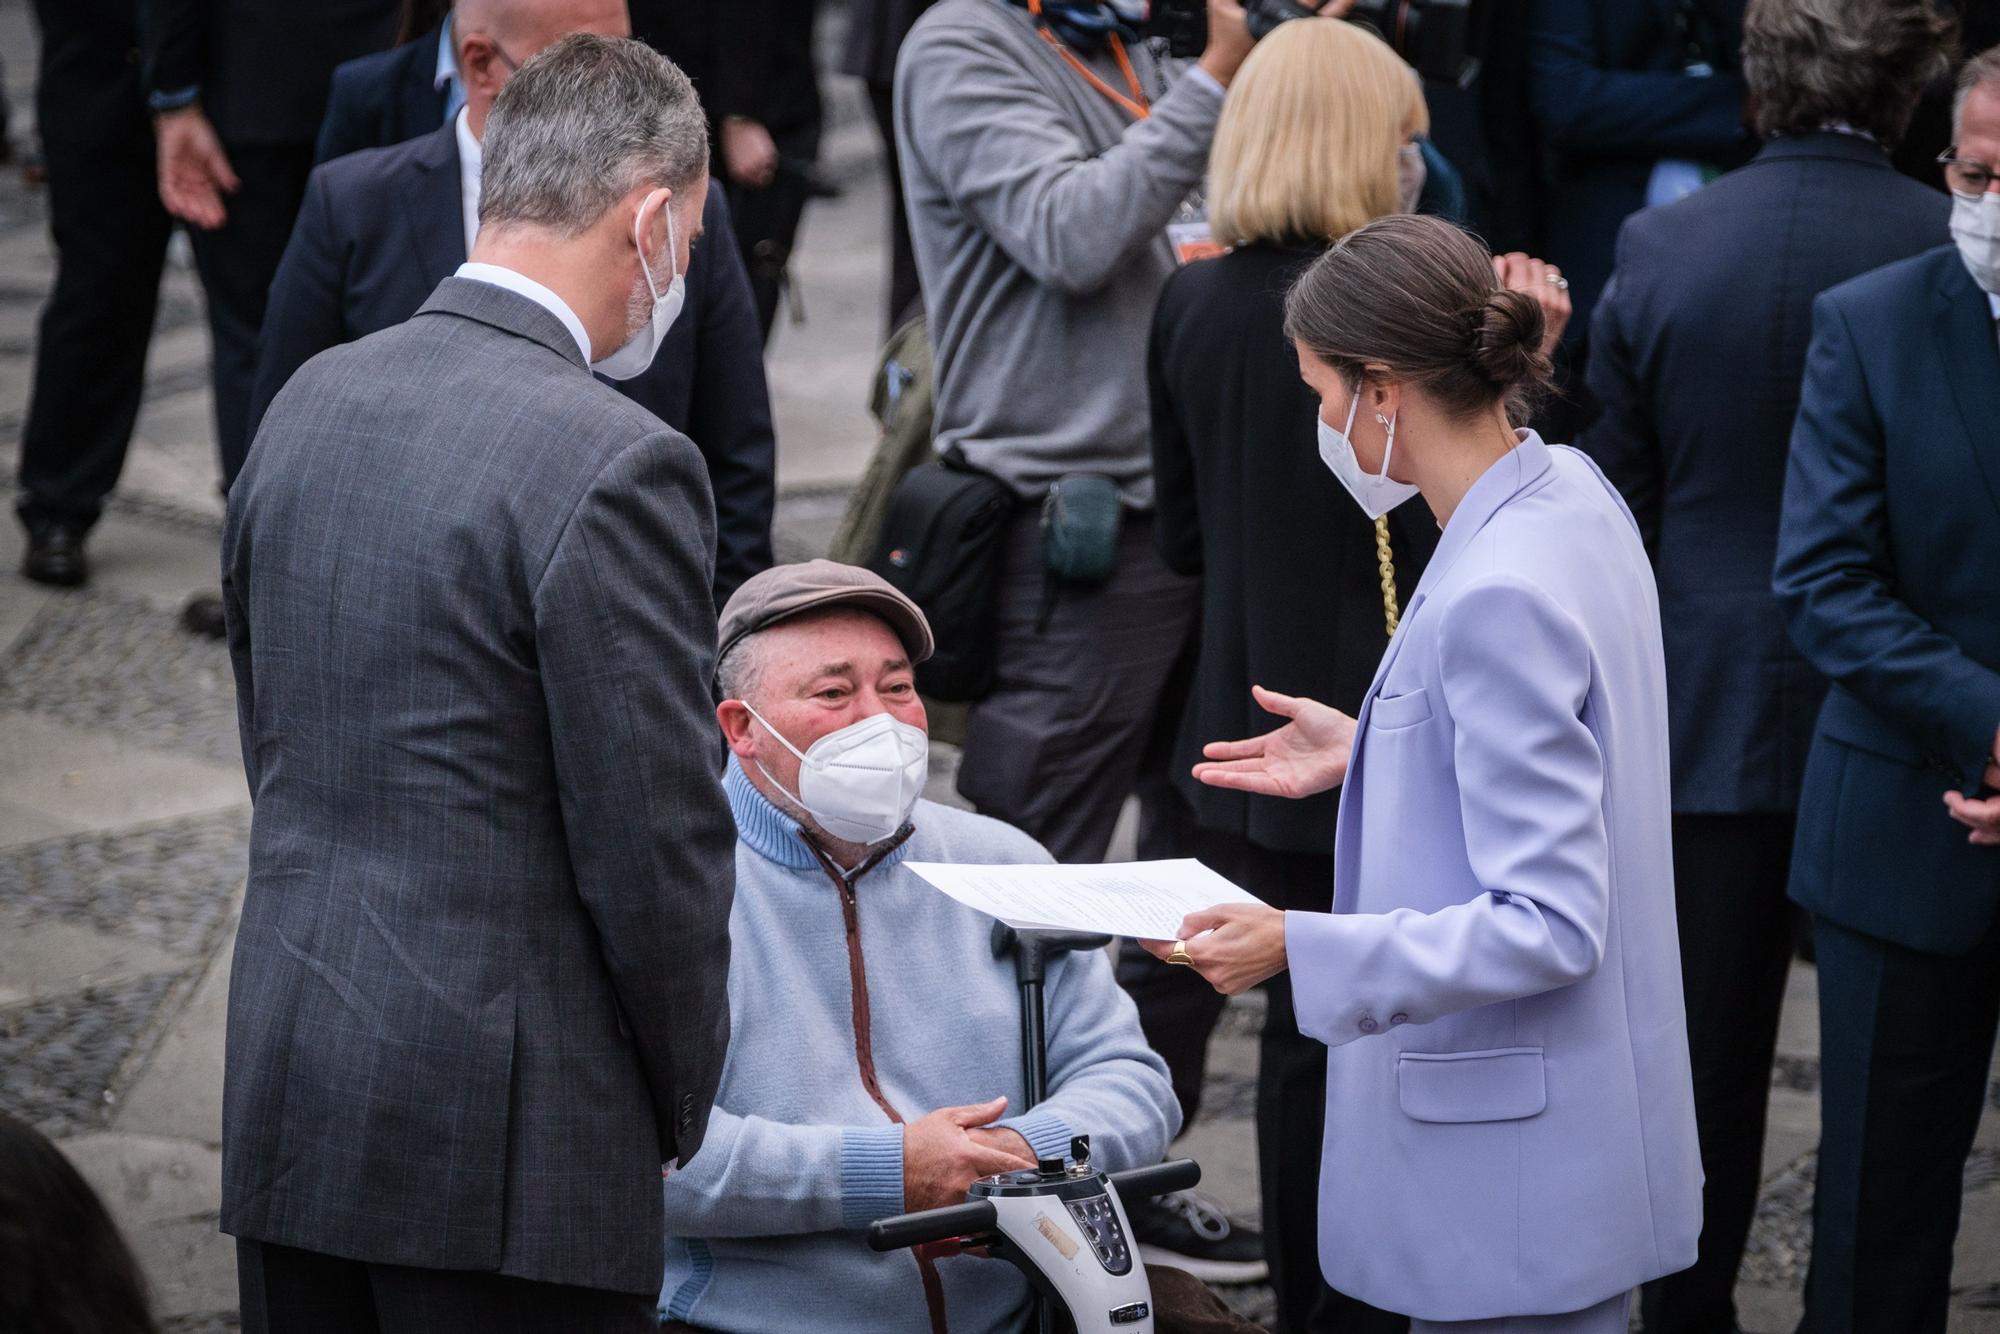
x=1385, y=562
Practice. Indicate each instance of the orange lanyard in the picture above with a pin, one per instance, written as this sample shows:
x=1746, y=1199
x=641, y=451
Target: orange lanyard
x=1136, y=106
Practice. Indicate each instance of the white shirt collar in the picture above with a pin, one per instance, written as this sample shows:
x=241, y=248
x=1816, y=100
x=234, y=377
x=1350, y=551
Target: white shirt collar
x=1993, y=300
x=469, y=162
x=535, y=292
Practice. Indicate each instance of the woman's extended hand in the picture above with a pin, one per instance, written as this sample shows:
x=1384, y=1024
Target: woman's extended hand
x=1305, y=756
x=1234, y=945
x=1544, y=282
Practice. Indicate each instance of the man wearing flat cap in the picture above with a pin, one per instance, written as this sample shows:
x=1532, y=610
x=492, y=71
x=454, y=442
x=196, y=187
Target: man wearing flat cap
x=876, y=1063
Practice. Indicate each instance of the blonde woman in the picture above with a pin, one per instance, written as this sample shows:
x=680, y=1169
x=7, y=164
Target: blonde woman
x=1300, y=589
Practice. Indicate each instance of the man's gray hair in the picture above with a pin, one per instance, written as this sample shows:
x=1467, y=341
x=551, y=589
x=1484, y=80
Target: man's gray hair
x=1863, y=63
x=736, y=676
x=584, y=122
x=1982, y=70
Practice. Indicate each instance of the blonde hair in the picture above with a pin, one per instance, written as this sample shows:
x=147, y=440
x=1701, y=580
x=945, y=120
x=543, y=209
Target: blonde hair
x=1306, y=147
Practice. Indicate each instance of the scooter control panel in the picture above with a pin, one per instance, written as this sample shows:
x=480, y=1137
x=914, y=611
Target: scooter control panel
x=1098, y=1218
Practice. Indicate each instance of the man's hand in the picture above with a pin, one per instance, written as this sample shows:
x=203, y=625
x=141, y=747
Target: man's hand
x=1307, y=755
x=749, y=154
x=1524, y=273
x=941, y=1157
x=194, y=171
x=1229, y=40
x=1980, y=814
x=1234, y=946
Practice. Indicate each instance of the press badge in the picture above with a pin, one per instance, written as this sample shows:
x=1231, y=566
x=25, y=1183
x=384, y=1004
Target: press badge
x=1191, y=241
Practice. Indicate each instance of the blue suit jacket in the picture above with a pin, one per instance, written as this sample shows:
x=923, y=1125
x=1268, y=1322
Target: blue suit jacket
x=1889, y=570
x=380, y=229
x=1610, y=99
x=1510, y=1114
x=1696, y=351
x=382, y=98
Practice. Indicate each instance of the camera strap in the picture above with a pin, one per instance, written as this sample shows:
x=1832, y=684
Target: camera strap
x=1137, y=105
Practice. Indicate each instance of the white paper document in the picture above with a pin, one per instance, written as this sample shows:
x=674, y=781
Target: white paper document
x=1145, y=900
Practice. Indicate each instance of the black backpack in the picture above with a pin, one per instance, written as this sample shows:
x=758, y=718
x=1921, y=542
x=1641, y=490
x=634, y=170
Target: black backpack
x=940, y=545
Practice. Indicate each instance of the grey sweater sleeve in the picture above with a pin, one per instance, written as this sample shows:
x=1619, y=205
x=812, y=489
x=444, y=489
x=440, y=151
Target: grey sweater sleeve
x=1008, y=158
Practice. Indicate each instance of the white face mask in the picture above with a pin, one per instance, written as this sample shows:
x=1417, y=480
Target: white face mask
x=1975, y=225
x=1375, y=493
x=1411, y=173
x=859, y=783
x=638, y=352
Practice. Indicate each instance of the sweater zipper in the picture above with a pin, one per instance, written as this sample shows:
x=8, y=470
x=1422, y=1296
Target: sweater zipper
x=864, y=1042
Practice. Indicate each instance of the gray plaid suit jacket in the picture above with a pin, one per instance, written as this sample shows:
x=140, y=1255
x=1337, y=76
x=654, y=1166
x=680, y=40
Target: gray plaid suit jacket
x=479, y=987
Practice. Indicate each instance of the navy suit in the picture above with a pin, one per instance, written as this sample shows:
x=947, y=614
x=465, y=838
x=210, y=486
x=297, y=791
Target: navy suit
x=1610, y=98
x=1889, y=571
x=1696, y=351
x=382, y=228
x=383, y=98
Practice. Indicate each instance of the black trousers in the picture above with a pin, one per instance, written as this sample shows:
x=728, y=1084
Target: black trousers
x=111, y=241
x=1906, y=1040
x=237, y=262
x=1737, y=930
x=288, y=1291
x=1178, y=1012
x=905, y=290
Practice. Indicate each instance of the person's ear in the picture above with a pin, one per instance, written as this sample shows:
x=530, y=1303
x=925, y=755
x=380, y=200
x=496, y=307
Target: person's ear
x=734, y=718
x=481, y=67
x=1385, y=398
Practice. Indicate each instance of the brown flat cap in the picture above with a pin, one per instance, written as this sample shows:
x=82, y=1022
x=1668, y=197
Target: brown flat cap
x=784, y=591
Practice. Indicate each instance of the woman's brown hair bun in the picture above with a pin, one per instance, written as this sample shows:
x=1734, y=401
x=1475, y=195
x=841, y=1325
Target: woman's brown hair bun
x=1507, y=339
x=1417, y=295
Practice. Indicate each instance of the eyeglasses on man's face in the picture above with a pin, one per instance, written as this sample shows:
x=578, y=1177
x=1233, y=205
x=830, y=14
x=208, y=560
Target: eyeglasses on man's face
x=1964, y=175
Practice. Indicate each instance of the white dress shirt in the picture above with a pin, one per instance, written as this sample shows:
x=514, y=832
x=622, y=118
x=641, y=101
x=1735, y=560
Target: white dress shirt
x=535, y=292
x=469, y=163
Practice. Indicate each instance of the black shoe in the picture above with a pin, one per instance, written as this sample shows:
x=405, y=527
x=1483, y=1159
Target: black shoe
x=203, y=616
x=1190, y=1231
x=55, y=555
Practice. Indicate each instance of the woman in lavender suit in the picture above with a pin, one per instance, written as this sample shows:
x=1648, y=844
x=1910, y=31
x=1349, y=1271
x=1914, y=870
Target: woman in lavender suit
x=1510, y=1139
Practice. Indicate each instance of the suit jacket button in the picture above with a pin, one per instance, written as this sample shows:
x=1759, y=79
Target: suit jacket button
x=1399, y=1018
x=1368, y=1024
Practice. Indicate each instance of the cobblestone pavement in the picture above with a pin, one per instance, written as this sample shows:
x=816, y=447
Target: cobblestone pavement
x=123, y=814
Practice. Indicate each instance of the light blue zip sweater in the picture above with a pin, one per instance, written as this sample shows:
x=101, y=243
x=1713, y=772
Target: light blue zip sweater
x=765, y=1221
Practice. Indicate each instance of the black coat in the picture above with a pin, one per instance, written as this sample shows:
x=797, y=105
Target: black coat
x=1291, y=589
x=263, y=66
x=1696, y=354
x=380, y=230
x=383, y=98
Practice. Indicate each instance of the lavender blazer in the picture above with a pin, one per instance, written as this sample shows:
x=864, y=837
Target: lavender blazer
x=1510, y=1118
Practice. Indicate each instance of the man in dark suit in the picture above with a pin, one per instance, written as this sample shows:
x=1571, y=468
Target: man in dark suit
x=237, y=88
x=479, y=995
x=1887, y=569
x=1617, y=88
x=1696, y=357
x=875, y=33
x=389, y=96
x=752, y=60
x=110, y=234
x=380, y=229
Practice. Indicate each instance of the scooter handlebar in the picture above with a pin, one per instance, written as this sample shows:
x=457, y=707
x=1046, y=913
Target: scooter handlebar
x=957, y=1220
x=977, y=1216
x=1143, y=1183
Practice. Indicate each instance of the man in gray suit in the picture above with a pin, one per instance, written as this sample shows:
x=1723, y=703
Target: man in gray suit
x=479, y=988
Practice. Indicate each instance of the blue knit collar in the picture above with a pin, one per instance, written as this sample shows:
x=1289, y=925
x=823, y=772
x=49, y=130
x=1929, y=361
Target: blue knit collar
x=769, y=832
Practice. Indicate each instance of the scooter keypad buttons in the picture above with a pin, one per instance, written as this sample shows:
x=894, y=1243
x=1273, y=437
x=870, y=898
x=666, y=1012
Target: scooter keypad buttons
x=1098, y=1218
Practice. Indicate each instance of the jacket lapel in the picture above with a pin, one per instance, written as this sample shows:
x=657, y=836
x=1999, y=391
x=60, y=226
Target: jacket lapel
x=433, y=209
x=1521, y=470
x=1962, y=322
